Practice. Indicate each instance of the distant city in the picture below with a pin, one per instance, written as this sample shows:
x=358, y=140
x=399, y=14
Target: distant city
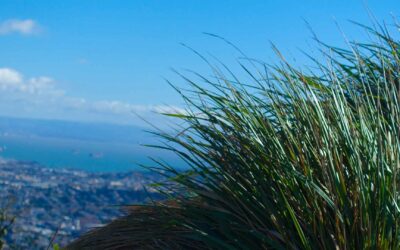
x=61, y=203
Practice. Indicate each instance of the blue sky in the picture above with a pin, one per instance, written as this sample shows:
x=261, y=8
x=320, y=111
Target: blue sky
x=99, y=60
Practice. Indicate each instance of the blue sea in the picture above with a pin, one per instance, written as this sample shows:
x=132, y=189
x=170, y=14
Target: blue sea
x=97, y=156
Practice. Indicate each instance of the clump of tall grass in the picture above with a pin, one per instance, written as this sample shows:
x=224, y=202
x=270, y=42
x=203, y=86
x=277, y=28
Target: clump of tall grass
x=287, y=159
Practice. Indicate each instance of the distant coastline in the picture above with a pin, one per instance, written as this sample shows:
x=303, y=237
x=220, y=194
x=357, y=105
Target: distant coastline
x=87, y=146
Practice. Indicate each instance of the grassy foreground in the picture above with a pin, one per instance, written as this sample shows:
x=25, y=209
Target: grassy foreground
x=286, y=159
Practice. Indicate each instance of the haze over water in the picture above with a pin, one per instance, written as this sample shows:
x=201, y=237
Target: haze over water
x=89, y=147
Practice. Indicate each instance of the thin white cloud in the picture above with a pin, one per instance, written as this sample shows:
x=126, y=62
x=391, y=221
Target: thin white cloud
x=9, y=78
x=42, y=93
x=82, y=61
x=24, y=27
x=13, y=81
x=117, y=107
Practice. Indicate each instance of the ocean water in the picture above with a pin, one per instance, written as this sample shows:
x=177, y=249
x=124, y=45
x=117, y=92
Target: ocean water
x=82, y=154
